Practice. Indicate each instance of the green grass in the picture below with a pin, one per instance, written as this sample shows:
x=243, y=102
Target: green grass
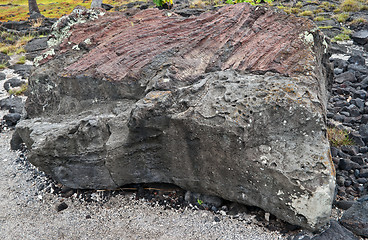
x=325, y=27
x=16, y=10
x=306, y=13
x=339, y=137
x=22, y=60
x=342, y=17
x=319, y=18
x=19, y=90
x=3, y=66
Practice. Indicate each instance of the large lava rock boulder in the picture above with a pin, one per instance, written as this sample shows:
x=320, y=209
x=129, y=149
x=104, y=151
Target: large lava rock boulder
x=229, y=103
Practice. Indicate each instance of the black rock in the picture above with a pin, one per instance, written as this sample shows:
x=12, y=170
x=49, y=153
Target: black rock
x=362, y=94
x=363, y=130
x=107, y=7
x=13, y=82
x=351, y=150
x=359, y=103
x=356, y=219
x=363, y=149
x=13, y=104
x=363, y=199
x=357, y=139
x=334, y=151
x=358, y=60
x=216, y=219
x=340, y=63
x=2, y=76
x=336, y=232
x=346, y=164
x=360, y=37
x=340, y=180
x=22, y=69
x=12, y=119
x=339, y=117
x=62, y=206
x=35, y=47
x=363, y=173
x=4, y=59
x=16, y=142
x=347, y=183
x=346, y=77
x=344, y=205
x=357, y=159
x=360, y=71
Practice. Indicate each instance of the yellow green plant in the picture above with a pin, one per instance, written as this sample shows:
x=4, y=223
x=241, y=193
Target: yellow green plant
x=2, y=66
x=350, y=5
x=358, y=20
x=319, y=18
x=342, y=17
x=22, y=60
x=19, y=90
x=338, y=137
x=325, y=27
x=306, y=13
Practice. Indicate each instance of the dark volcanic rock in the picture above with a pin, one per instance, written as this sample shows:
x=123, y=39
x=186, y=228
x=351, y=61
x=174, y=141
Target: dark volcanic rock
x=230, y=103
x=356, y=219
x=11, y=119
x=360, y=37
x=22, y=69
x=336, y=232
x=35, y=47
x=13, y=104
x=2, y=76
x=13, y=82
x=4, y=59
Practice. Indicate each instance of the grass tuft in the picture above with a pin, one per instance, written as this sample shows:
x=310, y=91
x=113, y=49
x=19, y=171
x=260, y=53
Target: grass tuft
x=338, y=137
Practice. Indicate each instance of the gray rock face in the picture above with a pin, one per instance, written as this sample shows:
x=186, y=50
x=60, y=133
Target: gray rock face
x=257, y=139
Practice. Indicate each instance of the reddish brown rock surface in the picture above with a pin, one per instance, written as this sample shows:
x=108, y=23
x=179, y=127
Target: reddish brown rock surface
x=235, y=37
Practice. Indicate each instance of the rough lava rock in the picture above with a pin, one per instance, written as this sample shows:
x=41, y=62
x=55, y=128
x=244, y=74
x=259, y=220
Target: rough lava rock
x=356, y=219
x=230, y=103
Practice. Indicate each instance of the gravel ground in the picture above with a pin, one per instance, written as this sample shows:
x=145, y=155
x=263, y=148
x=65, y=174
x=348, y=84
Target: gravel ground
x=26, y=212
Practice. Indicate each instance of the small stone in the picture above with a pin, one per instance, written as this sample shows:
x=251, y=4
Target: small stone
x=357, y=60
x=363, y=173
x=344, y=205
x=362, y=180
x=12, y=119
x=360, y=37
x=267, y=216
x=340, y=180
x=346, y=77
x=2, y=76
x=357, y=159
x=347, y=183
x=351, y=150
x=88, y=217
x=216, y=219
x=62, y=206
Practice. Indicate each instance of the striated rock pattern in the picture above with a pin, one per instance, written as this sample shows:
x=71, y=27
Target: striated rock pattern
x=230, y=103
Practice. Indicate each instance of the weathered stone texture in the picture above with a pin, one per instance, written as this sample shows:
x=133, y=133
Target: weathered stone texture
x=230, y=103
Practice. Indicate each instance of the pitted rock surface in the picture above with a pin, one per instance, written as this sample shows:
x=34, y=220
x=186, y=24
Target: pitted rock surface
x=230, y=103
